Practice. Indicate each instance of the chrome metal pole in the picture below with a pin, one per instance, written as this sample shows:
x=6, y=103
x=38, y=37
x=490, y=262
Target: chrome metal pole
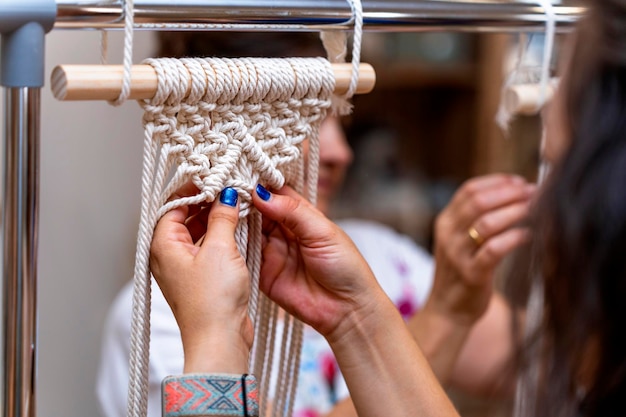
x=23, y=25
x=20, y=221
x=387, y=15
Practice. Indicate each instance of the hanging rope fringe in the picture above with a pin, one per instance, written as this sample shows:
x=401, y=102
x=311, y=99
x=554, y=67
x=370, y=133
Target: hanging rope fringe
x=235, y=123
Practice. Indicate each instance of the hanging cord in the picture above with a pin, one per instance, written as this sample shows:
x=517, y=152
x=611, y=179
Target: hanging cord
x=104, y=43
x=503, y=115
x=357, y=11
x=335, y=42
x=548, y=46
x=129, y=23
x=527, y=384
x=104, y=47
x=545, y=81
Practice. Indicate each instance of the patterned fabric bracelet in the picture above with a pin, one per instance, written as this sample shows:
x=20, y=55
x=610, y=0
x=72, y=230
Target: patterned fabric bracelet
x=210, y=395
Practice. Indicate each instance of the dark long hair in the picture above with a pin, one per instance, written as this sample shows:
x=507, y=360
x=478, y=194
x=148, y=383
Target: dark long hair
x=580, y=224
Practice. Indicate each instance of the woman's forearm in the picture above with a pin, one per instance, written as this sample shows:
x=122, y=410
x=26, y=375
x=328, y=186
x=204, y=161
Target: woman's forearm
x=384, y=368
x=440, y=339
x=473, y=358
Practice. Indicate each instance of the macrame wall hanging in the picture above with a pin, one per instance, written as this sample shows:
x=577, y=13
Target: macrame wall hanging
x=243, y=122
x=218, y=123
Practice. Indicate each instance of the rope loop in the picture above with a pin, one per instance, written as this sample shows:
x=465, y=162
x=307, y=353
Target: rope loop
x=335, y=43
x=129, y=26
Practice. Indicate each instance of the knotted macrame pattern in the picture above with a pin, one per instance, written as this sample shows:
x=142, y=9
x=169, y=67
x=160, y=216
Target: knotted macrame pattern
x=229, y=123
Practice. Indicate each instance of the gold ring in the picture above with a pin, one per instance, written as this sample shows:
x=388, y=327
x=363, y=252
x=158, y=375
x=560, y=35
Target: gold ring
x=475, y=236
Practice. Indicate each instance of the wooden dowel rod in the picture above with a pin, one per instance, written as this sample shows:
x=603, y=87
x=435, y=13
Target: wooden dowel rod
x=524, y=98
x=104, y=82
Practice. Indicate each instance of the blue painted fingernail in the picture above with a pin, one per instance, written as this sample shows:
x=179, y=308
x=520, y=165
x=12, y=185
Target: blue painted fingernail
x=262, y=192
x=229, y=196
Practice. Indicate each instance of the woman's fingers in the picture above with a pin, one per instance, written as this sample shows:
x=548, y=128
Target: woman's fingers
x=492, y=199
x=475, y=187
x=482, y=194
x=493, y=251
x=484, y=223
x=171, y=228
x=498, y=221
x=482, y=209
x=291, y=211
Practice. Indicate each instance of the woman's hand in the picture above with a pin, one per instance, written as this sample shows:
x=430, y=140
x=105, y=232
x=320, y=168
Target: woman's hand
x=481, y=225
x=195, y=261
x=311, y=267
x=314, y=271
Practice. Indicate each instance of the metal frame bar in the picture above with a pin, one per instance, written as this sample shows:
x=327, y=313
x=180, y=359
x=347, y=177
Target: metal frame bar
x=379, y=15
x=23, y=25
x=22, y=21
x=20, y=223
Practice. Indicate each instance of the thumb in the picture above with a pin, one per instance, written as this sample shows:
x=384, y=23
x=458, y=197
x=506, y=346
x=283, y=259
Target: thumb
x=223, y=217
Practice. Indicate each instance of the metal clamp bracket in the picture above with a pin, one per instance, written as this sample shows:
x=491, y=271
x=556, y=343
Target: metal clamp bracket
x=23, y=25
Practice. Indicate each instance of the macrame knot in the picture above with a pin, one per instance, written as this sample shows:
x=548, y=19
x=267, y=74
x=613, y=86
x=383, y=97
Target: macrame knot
x=236, y=122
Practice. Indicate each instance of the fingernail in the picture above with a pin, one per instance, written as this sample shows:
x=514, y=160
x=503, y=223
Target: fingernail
x=262, y=192
x=229, y=196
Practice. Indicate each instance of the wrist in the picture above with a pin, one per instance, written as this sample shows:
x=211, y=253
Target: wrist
x=458, y=302
x=217, y=351
x=363, y=322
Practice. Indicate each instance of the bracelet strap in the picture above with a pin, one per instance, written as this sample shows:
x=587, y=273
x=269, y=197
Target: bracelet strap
x=210, y=395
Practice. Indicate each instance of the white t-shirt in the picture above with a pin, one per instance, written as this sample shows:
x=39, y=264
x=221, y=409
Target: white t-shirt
x=404, y=270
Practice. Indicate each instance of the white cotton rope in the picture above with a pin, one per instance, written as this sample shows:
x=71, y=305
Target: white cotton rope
x=548, y=46
x=129, y=28
x=525, y=403
x=335, y=42
x=104, y=41
x=524, y=72
x=229, y=123
x=504, y=114
x=104, y=47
